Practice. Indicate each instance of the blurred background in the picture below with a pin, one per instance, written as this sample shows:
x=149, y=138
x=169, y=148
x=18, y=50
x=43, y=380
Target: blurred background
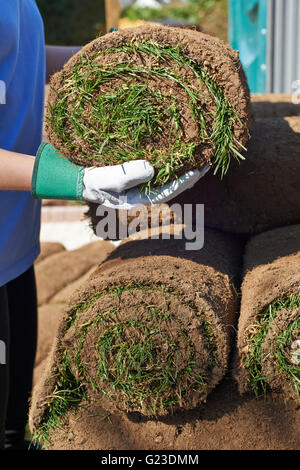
x=73, y=22
x=266, y=32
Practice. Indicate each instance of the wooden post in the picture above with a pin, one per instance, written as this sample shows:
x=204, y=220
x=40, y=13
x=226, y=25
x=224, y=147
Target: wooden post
x=112, y=13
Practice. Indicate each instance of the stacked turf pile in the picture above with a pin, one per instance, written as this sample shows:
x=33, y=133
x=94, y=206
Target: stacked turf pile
x=175, y=97
x=273, y=105
x=269, y=325
x=261, y=193
x=58, y=274
x=149, y=332
x=49, y=249
x=249, y=199
x=62, y=268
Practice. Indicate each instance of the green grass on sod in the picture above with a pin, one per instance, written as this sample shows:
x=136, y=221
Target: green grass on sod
x=284, y=341
x=122, y=124
x=258, y=382
x=128, y=362
x=68, y=393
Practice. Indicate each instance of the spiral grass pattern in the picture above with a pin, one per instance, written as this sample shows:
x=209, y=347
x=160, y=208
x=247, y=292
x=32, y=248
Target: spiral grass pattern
x=143, y=100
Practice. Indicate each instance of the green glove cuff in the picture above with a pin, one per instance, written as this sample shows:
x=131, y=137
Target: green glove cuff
x=55, y=177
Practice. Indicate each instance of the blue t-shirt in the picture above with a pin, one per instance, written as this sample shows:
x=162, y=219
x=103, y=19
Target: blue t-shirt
x=22, y=81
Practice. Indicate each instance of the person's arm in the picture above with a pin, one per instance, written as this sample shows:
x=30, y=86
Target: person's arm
x=51, y=176
x=56, y=57
x=15, y=171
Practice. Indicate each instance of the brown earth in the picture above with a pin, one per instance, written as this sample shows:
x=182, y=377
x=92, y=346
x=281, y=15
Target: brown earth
x=48, y=320
x=226, y=421
x=204, y=282
x=64, y=295
x=271, y=272
x=48, y=317
x=218, y=60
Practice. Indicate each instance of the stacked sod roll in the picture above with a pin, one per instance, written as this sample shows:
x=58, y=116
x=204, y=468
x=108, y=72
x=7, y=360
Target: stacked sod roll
x=57, y=271
x=175, y=97
x=149, y=332
x=273, y=105
x=269, y=324
x=120, y=224
x=263, y=192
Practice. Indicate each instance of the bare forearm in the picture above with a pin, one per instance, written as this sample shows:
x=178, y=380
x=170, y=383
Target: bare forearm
x=15, y=171
x=57, y=56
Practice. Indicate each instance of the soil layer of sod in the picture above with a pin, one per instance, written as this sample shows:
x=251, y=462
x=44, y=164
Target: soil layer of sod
x=148, y=333
x=175, y=97
x=269, y=324
x=120, y=224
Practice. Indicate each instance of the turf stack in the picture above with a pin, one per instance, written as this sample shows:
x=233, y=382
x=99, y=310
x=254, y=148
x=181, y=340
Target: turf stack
x=128, y=223
x=60, y=269
x=48, y=249
x=261, y=193
x=149, y=332
x=175, y=97
x=269, y=325
x=273, y=105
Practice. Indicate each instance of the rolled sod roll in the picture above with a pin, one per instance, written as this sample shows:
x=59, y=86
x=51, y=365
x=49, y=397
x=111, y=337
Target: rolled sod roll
x=261, y=193
x=57, y=271
x=269, y=324
x=48, y=321
x=64, y=295
x=175, y=97
x=119, y=224
x=149, y=332
x=273, y=105
x=49, y=249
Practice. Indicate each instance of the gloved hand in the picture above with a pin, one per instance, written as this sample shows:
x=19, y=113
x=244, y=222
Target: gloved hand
x=109, y=186
x=55, y=177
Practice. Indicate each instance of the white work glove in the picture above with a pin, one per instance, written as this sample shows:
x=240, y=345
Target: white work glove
x=117, y=187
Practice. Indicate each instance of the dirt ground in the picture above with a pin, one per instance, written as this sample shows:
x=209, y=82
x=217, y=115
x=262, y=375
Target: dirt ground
x=226, y=421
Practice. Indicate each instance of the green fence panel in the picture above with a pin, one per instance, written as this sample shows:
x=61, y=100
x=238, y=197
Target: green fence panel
x=248, y=35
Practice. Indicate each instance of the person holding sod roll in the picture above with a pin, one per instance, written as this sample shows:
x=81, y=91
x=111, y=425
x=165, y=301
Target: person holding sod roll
x=30, y=171
x=51, y=176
